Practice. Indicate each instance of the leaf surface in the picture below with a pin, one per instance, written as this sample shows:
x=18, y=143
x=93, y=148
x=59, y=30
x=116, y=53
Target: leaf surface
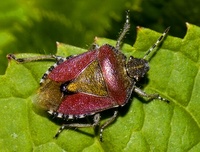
x=154, y=126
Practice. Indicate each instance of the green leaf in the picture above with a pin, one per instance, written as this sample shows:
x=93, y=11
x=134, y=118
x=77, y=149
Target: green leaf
x=153, y=126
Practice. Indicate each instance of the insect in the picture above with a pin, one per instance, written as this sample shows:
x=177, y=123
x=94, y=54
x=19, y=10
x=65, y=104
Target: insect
x=84, y=85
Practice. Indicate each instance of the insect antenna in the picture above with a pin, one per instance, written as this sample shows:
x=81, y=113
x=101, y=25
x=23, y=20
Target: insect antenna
x=157, y=42
x=124, y=31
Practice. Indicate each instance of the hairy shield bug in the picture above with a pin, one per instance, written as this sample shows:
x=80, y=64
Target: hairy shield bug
x=85, y=85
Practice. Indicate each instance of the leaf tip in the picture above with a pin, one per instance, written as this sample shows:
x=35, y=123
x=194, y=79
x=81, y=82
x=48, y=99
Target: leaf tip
x=139, y=28
x=187, y=24
x=95, y=39
x=57, y=43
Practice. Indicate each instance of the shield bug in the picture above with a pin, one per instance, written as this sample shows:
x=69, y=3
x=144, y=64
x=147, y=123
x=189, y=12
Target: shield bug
x=84, y=85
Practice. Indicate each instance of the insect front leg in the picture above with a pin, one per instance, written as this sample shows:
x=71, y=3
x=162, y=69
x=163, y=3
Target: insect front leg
x=150, y=96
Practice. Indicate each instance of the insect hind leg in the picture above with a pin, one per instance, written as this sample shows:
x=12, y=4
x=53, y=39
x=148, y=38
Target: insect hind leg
x=31, y=59
x=58, y=59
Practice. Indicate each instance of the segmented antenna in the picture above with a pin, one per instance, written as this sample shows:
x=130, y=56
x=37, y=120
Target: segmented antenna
x=157, y=42
x=124, y=31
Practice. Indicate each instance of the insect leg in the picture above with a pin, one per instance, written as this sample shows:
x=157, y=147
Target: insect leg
x=107, y=123
x=78, y=125
x=150, y=96
x=58, y=59
x=31, y=59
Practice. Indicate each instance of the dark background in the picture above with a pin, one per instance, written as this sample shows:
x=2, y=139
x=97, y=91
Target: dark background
x=35, y=26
